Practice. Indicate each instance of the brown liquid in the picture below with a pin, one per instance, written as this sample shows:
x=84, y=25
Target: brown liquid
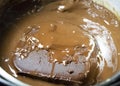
x=61, y=42
x=85, y=29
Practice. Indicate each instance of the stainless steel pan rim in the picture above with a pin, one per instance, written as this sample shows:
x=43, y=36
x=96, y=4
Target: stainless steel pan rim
x=10, y=80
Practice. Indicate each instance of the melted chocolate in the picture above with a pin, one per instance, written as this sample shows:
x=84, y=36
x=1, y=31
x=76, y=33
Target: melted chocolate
x=71, y=42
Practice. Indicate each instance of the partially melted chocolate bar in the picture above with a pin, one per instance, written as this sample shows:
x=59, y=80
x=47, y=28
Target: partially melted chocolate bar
x=57, y=51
